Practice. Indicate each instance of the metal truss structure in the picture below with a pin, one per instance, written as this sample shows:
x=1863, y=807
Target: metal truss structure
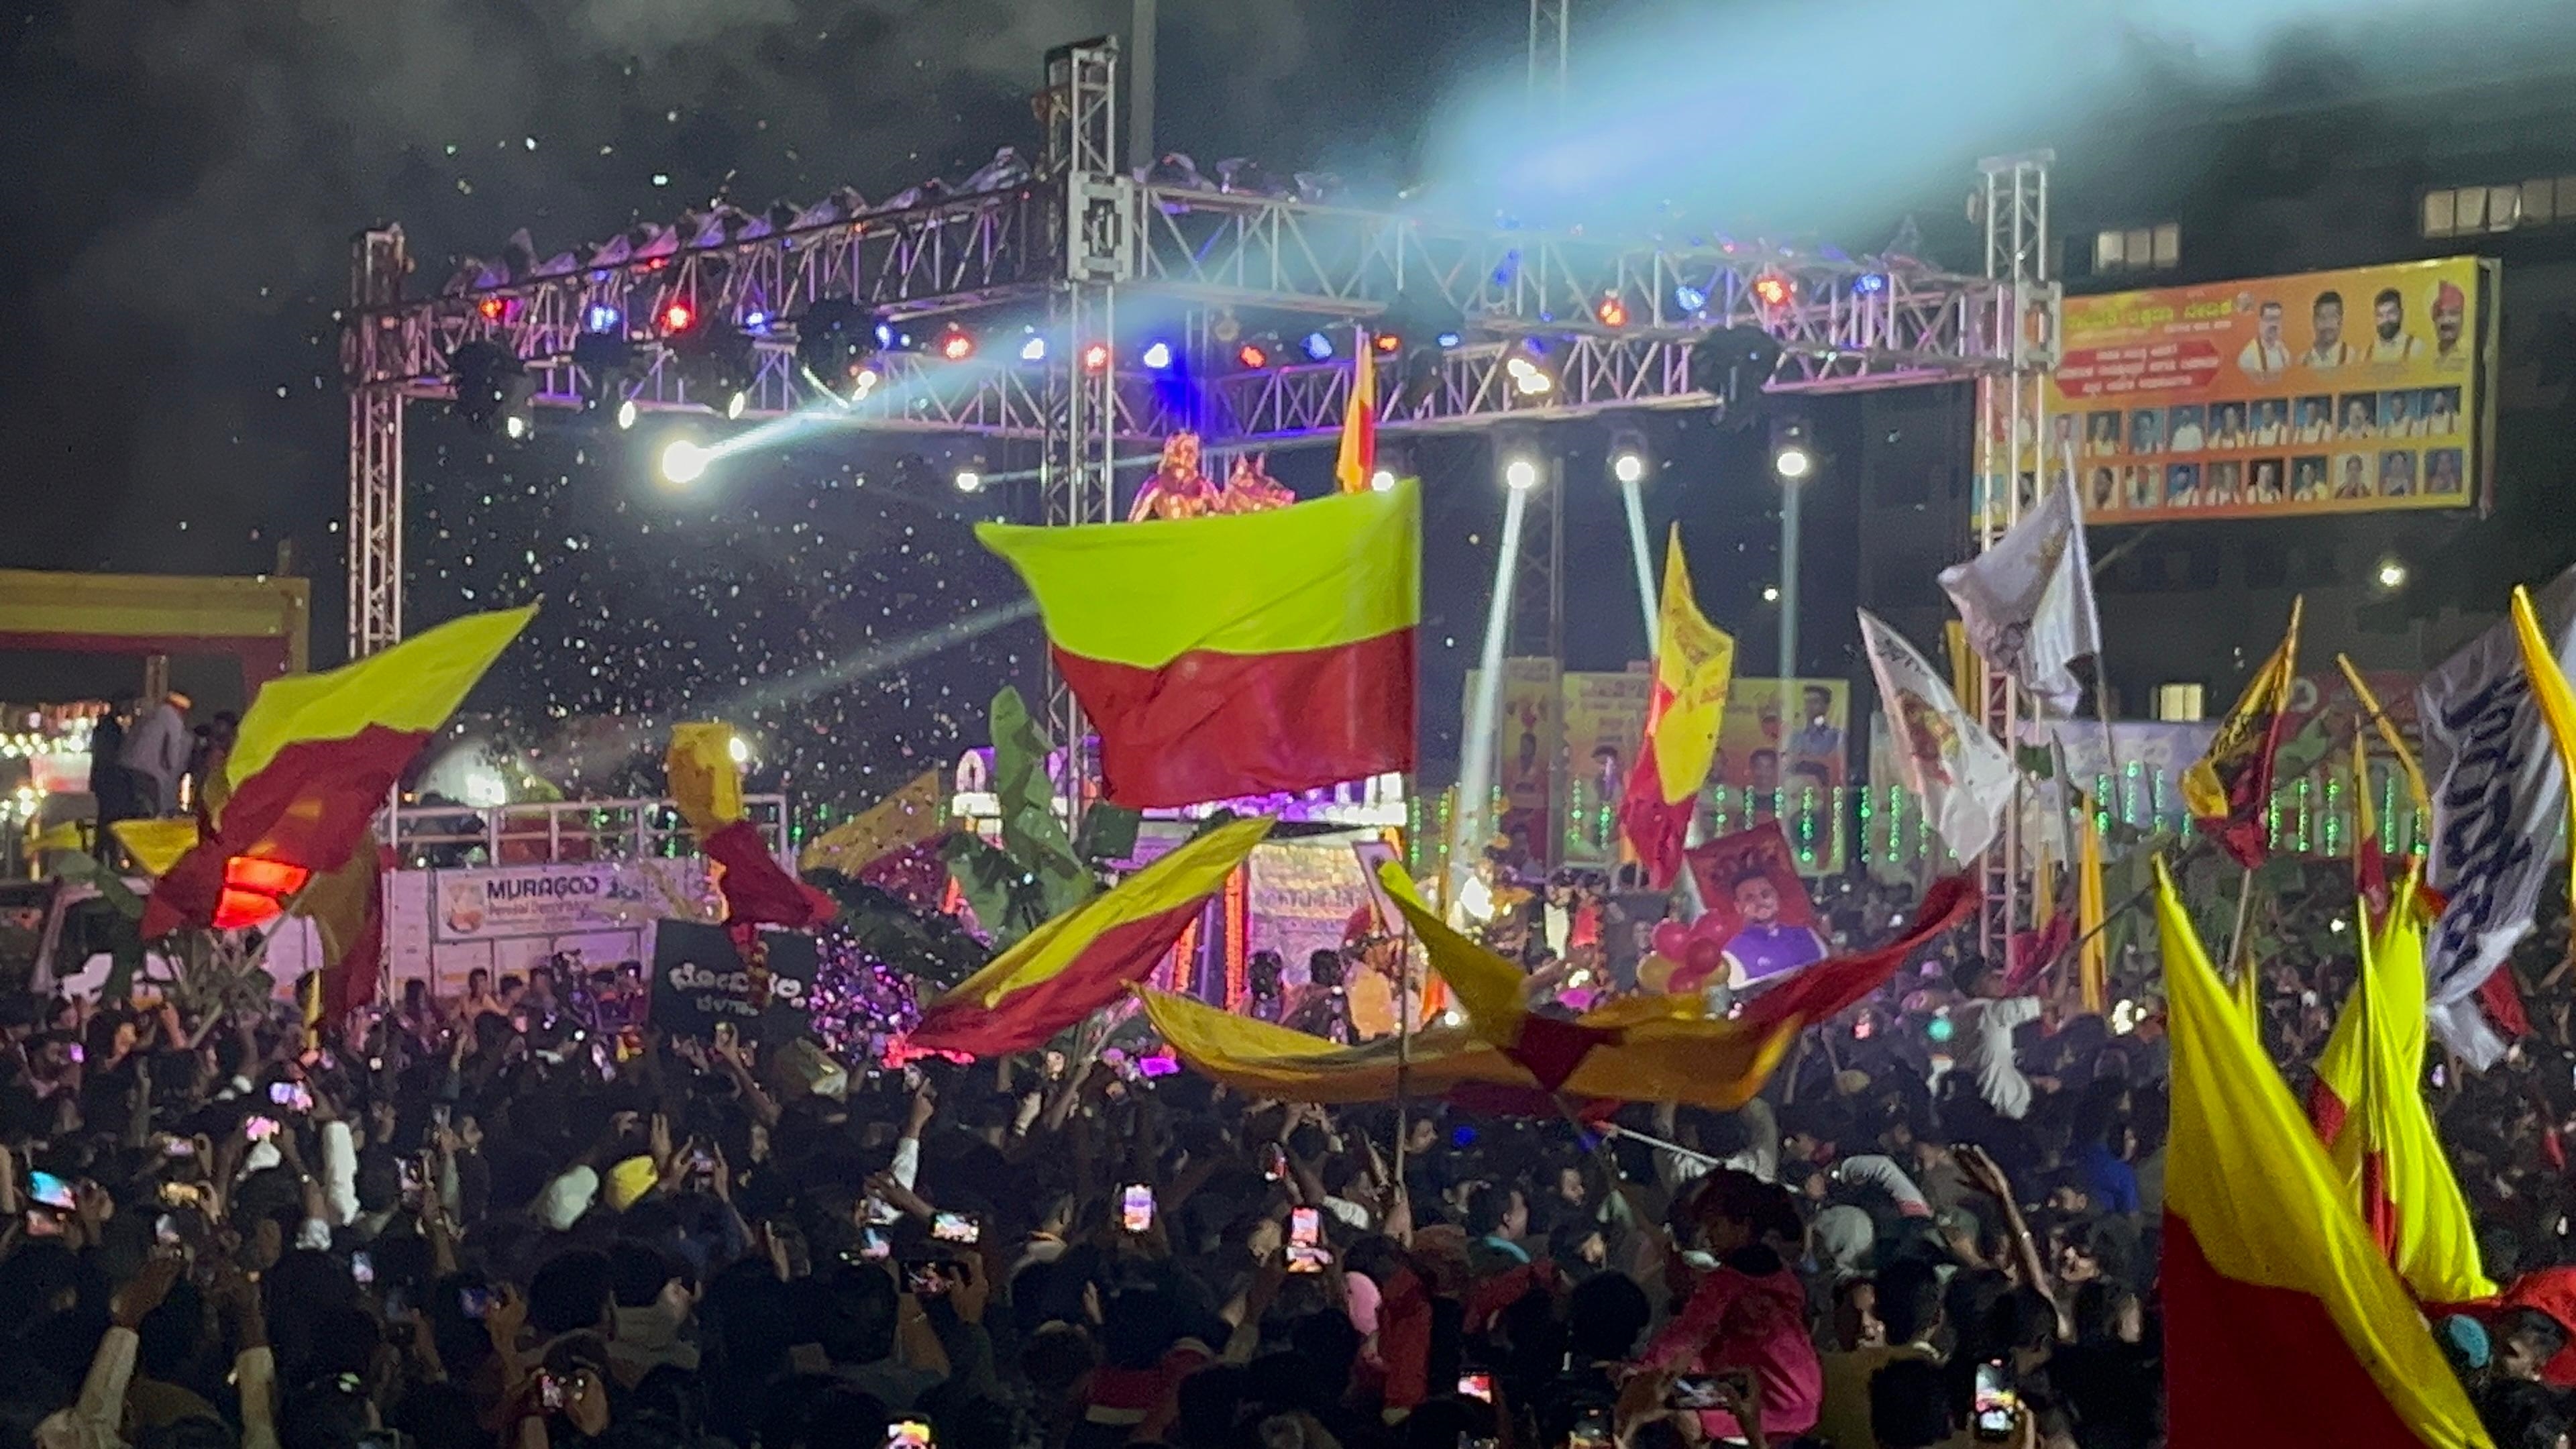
x=2012, y=424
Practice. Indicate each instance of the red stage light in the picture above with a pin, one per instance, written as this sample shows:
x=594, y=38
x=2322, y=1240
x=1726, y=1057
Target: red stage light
x=491, y=308
x=956, y=344
x=1387, y=344
x=1611, y=310
x=1773, y=290
x=1252, y=356
x=1095, y=358
x=679, y=317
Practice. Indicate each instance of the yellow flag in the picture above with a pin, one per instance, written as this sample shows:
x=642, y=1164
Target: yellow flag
x=1966, y=672
x=2557, y=703
x=906, y=818
x=156, y=845
x=1694, y=664
x=2093, y=958
x=705, y=781
x=2396, y=743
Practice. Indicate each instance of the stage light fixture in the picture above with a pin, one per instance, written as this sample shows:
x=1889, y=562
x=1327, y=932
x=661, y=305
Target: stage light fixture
x=1870, y=282
x=684, y=461
x=968, y=481
x=1528, y=370
x=626, y=414
x=1732, y=366
x=1628, y=461
x=1319, y=348
x=1793, y=451
x=1033, y=349
x=1096, y=357
x=1382, y=481
x=494, y=393
x=1388, y=343
x=604, y=318
x=1611, y=310
x=1774, y=289
x=1689, y=298
x=1157, y=356
x=1770, y=593
x=716, y=367
x=1254, y=353
x=835, y=340
x=677, y=316
x=1521, y=474
x=755, y=321
x=956, y=344
x=2391, y=574
x=602, y=363
x=492, y=308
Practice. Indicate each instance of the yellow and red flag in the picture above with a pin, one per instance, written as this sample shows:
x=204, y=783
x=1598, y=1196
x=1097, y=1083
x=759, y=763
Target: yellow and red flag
x=1236, y=654
x=1694, y=664
x=2229, y=790
x=2369, y=1111
x=315, y=758
x=893, y=844
x=706, y=783
x=1357, y=463
x=1086, y=958
x=2284, y=1323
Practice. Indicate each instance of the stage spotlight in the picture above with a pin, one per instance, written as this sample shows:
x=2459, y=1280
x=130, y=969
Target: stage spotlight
x=2391, y=574
x=1793, y=453
x=956, y=344
x=677, y=316
x=1157, y=356
x=1521, y=474
x=1319, y=348
x=1774, y=289
x=604, y=318
x=1096, y=357
x=1628, y=457
x=755, y=322
x=1388, y=344
x=1382, y=481
x=834, y=341
x=626, y=414
x=1033, y=349
x=968, y=481
x=1254, y=353
x=494, y=394
x=1689, y=298
x=1770, y=593
x=684, y=462
x=1611, y=310
x=1870, y=282
x=1528, y=370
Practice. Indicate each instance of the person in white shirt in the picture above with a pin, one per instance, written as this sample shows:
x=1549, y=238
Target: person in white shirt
x=2186, y=434
x=1988, y=1036
x=2271, y=423
x=2267, y=355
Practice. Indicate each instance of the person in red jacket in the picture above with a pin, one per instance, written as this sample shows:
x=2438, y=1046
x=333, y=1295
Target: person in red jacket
x=1748, y=1315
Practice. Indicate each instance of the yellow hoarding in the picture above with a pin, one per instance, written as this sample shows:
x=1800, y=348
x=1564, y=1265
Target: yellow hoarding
x=2326, y=392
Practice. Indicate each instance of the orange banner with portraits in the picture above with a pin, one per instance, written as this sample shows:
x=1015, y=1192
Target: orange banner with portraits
x=2327, y=392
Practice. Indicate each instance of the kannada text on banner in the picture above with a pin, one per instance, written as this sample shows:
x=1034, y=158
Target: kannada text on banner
x=2326, y=392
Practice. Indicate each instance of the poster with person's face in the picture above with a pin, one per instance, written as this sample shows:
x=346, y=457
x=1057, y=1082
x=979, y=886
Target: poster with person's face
x=2327, y=392
x=1762, y=745
x=1749, y=883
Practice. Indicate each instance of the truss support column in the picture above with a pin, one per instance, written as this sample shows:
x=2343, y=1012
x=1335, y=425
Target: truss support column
x=2012, y=426
x=1099, y=224
x=1538, y=630
x=377, y=263
x=1550, y=30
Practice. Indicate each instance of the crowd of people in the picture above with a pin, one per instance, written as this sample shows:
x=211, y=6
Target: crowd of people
x=499, y=1220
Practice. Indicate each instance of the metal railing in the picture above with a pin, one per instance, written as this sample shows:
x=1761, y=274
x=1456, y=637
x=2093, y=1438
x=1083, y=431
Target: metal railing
x=556, y=831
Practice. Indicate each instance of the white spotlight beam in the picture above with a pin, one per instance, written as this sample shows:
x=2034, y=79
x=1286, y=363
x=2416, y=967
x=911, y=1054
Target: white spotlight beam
x=1476, y=751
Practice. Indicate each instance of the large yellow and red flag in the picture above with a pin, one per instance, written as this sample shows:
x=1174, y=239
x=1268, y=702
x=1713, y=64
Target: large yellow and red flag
x=2369, y=1110
x=2229, y=789
x=1357, y=463
x=1236, y=654
x=315, y=758
x=1694, y=664
x=1086, y=958
x=2283, y=1322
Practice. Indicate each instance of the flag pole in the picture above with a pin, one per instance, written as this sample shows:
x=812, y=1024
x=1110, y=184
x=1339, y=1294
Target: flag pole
x=1404, y=1009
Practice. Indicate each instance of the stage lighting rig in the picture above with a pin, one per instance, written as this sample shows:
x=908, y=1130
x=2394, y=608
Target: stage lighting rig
x=1629, y=460
x=604, y=361
x=716, y=366
x=1732, y=366
x=494, y=394
x=836, y=340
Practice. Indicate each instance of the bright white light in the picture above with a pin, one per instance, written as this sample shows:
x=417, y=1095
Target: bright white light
x=1158, y=355
x=968, y=480
x=484, y=788
x=1770, y=593
x=1533, y=382
x=2392, y=574
x=626, y=414
x=863, y=381
x=1033, y=350
x=1793, y=462
x=1629, y=468
x=515, y=427
x=1382, y=481
x=684, y=461
x=735, y=404
x=740, y=749
x=1521, y=475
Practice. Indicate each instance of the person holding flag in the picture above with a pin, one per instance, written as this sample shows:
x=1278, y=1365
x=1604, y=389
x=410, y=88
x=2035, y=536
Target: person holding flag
x=1694, y=664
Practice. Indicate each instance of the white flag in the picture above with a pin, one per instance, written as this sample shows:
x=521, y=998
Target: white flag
x=1963, y=777
x=2499, y=797
x=2028, y=601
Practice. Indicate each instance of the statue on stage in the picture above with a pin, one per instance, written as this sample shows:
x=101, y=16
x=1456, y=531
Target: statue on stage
x=1176, y=488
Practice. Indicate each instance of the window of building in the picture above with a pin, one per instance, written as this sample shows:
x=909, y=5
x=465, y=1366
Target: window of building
x=2178, y=703
x=2482, y=210
x=2138, y=248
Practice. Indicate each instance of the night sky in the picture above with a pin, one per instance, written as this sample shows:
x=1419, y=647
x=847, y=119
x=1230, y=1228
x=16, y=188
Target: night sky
x=185, y=179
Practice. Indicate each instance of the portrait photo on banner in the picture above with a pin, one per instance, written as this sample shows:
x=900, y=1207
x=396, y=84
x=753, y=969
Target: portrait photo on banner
x=1762, y=917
